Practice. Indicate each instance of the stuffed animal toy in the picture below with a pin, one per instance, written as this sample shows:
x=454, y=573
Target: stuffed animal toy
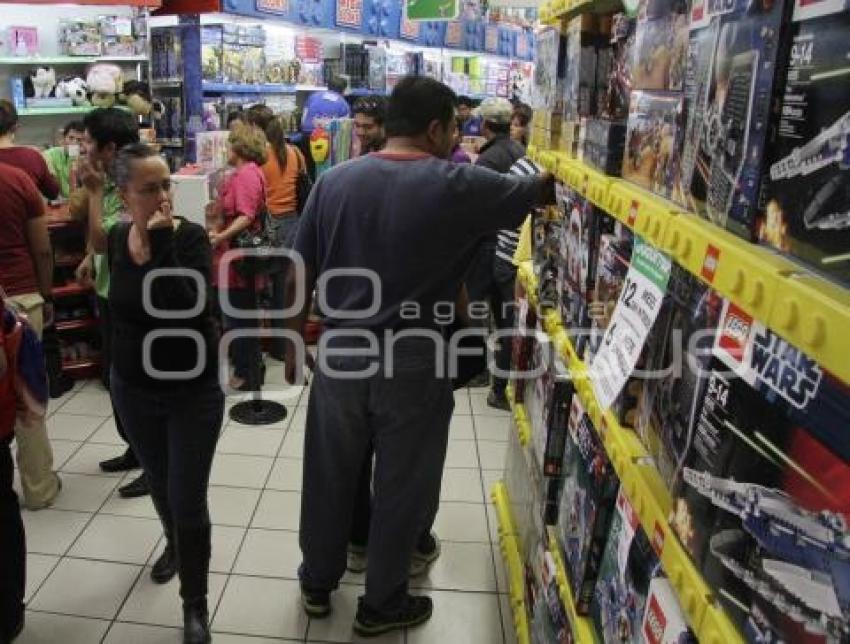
x=74, y=88
x=137, y=96
x=105, y=82
x=40, y=83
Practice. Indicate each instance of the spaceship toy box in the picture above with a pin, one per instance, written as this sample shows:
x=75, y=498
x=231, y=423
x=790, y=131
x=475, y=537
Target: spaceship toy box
x=628, y=565
x=737, y=48
x=661, y=45
x=587, y=505
x=807, y=209
x=678, y=356
x=550, y=443
x=762, y=498
x=546, y=228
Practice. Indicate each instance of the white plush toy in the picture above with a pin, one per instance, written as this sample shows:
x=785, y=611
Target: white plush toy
x=105, y=82
x=43, y=82
x=74, y=88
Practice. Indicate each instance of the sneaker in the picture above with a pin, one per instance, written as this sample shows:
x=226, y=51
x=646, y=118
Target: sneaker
x=427, y=551
x=316, y=603
x=357, y=559
x=370, y=623
x=498, y=400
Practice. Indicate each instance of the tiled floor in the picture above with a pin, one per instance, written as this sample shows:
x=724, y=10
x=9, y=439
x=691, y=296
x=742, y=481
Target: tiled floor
x=89, y=555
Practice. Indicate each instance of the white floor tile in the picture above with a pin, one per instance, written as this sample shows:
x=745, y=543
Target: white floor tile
x=278, y=511
x=71, y=427
x=88, y=458
x=298, y=421
x=462, y=454
x=250, y=442
x=89, y=403
x=257, y=606
x=293, y=444
x=107, y=434
x=84, y=493
x=462, y=407
x=462, y=522
x=159, y=604
x=460, y=617
x=120, y=539
x=481, y=408
x=461, y=485
x=492, y=454
x=62, y=451
x=286, y=475
x=86, y=588
x=337, y=627
x=141, y=634
x=229, y=638
x=460, y=428
x=38, y=567
x=240, y=471
x=492, y=428
x=226, y=541
x=232, y=506
x=461, y=566
x=43, y=628
x=51, y=532
x=269, y=553
x=138, y=507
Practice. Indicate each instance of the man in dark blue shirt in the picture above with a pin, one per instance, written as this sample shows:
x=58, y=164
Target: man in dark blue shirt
x=388, y=238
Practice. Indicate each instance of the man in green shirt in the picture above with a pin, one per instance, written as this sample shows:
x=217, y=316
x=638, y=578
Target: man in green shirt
x=107, y=130
x=61, y=158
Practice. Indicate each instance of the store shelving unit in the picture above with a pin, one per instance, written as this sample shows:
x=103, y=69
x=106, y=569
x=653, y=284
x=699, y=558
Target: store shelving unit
x=509, y=546
x=69, y=60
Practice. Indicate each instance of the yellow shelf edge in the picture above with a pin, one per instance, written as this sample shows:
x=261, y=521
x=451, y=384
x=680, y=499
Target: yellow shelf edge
x=582, y=627
x=509, y=547
x=504, y=515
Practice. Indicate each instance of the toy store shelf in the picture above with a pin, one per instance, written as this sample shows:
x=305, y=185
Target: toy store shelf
x=162, y=84
x=558, y=10
x=365, y=91
x=523, y=426
x=582, y=627
x=50, y=111
x=77, y=325
x=648, y=494
x=509, y=546
x=240, y=88
x=809, y=312
x=69, y=290
x=68, y=60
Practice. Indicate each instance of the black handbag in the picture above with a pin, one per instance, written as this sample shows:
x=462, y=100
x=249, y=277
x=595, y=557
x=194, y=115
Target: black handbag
x=265, y=257
x=303, y=184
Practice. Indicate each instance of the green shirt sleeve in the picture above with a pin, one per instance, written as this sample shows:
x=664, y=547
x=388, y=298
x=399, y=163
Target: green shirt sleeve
x=112, y=207
x=59, y=165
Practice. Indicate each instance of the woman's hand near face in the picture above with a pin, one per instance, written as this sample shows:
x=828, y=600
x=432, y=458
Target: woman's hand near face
x=91, y=175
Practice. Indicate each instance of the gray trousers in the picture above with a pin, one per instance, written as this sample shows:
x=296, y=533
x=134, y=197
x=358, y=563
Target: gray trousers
x=406, y=417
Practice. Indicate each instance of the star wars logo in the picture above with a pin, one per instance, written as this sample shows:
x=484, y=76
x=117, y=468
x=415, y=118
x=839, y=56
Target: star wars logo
x=785, y=369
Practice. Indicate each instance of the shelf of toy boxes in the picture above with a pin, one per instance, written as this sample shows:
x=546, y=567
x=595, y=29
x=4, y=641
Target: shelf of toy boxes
x=69, y=60
x=643, y=486
x=557, y=12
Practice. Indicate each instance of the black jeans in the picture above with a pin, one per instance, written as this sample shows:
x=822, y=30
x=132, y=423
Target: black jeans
x=106, y=360
x=285, y=227
x=245, y=351
x=174, y=432
x=13, y=552
x=503, y=301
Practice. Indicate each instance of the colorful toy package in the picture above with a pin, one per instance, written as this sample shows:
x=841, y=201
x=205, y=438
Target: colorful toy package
x=661, y=45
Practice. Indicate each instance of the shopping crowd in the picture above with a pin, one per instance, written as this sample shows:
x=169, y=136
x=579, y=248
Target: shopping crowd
x=433, y=226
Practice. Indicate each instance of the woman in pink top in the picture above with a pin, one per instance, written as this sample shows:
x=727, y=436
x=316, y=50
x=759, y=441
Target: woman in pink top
x=241, y=200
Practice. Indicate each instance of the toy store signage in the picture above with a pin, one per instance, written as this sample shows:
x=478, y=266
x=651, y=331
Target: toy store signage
x=633, y=319
x=280, y=7
x=349, y=13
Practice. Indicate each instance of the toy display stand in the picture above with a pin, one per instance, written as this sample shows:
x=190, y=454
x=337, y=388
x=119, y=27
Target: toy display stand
x=257, y=411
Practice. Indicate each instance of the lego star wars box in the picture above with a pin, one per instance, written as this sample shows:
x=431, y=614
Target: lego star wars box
x=549, y=621
x=628, y=566
x=614, y=91
x=587, y=504
x=736, y=50
x=807, y=213
x=762, y=498
x=580, y=73
x=576, y=265
x=663, y=621
x=604, y=145
x=661, y=45
x=652, y=152
x=524, y=342
x=678, y=354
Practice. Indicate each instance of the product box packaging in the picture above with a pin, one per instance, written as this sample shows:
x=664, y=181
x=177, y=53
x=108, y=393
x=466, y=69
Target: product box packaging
x=652, y=157
x=211, y=53
x=22, y=41
x=551, y=455
x=580, y=72
x=807, y=213
x=663, y=621
x=736, y=50
x=661, y=45
x=547, y=241
x=678, y=355
x=549, y=621
x=604, y=145
x=762, y=498
x=546, y=68
x=80, y=37
x=538, y=398
x=524, y=342
x=628, y=565
x=614, y=91
x=587, y=505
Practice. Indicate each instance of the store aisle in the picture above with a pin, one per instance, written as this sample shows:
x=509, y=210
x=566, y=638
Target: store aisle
x=89, y=555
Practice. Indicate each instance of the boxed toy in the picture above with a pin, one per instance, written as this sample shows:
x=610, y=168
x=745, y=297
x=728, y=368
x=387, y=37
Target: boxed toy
x=79, y=37
x=736, y=49
x=663, y=621
x=763, y=498
x=580, y=72
x=587, y=504
x=524, y=343
x=118, y=38
x=678, y=354
x=604, y=145
x=808, y=196
x=549, y=621
x=661, y=45
x=652, y=153
x=628, y=565
x=211, y=53
x=615, y=89
x=22, y=41
x=549, y=444
x=546, y=68
x=546, y=224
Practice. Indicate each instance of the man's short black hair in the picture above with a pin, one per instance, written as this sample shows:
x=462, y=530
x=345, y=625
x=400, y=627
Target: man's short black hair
x=466, y=101
x=375, y=107
x=111, y=125
x=498, y=128
x=415, y=102
x=337, y=84
x=8, y=117
x=73, y=126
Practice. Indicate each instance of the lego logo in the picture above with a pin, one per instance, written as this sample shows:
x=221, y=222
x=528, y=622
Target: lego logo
x=736, y=332
x=655, y=622
x=633, y=211
x=709, y=264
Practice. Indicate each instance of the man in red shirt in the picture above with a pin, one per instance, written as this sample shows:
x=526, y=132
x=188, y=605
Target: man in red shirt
x=26, y=275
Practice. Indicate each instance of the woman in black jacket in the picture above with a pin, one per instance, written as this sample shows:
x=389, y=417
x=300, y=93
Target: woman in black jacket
x=164, y=369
